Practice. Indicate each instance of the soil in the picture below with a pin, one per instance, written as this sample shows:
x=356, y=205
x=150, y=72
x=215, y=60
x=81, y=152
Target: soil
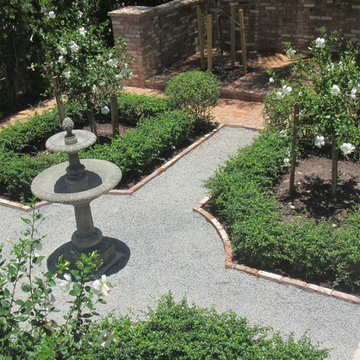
x=312, y=198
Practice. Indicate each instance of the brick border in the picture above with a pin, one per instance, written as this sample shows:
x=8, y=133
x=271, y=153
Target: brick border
x=20, y=206
x=230, y=264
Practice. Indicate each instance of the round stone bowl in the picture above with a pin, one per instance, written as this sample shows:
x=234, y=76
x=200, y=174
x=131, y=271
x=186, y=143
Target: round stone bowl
x=50, y=185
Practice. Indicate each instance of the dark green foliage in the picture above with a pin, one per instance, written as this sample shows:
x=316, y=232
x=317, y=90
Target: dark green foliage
x=179, y=331
x=241, y=193
x=132, y=107
x=194, y=91
x=138, y=150
x=153, y=139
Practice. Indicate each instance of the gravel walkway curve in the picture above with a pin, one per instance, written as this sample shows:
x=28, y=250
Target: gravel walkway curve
x=173, y=248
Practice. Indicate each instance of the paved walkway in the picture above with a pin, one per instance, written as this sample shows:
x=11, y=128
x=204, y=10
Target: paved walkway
x=172, y=248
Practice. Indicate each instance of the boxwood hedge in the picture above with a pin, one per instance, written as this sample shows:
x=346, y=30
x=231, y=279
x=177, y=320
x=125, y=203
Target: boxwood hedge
x=179, y=331
x=158, y=132
x=241, y=193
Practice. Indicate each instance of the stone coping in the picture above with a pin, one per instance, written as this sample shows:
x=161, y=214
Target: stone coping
x=20, y=206
x=230, y=264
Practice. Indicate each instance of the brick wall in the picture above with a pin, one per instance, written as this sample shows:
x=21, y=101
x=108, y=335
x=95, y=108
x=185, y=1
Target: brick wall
x=158, y=36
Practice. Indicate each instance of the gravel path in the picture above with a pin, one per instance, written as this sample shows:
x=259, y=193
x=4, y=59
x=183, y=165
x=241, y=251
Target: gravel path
x=173, y=248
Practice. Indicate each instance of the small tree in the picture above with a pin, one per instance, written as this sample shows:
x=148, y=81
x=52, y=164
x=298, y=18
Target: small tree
x=327, y=86
x=87, y=70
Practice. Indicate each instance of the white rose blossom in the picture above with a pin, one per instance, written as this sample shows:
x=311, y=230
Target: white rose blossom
x=271, y=80
x=65, y=283
x=113, y=62
x=67, y=74
x=61, y=59
x=101, y=287
x=319, y=141
x=320, y=43
x=63, y=51
x=74, y=47
x=287, y=162
x=82, y=31
x=290, y=53
x=335, y=90
x=353, y=93
x=94, y=88
x=51, y=15
x=286, y=89
x=347, y=148
x=279, y=95
x=105, y=110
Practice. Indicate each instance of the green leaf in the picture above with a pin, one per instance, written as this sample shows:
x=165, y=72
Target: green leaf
x=25, y=288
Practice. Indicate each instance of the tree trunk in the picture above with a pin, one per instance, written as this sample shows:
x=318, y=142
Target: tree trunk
x=334, y=169
x=92, y=121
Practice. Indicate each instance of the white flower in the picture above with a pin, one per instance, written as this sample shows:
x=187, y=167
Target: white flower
x=341, y=65
x=82, y=31
x=113, y=62
x=287, y=162
x=271, y=80
x=80, y=14
x=286, y=89
x=63, y=51
x=105, y=339
x=31, y=37
x=300, y=93
x=51, y=15
x=335, y=90
x=61, y=59
x=319, y=141
x=347, y=148
x=282, y=133
x=67, y=74
x=65, y=283
x=320, y=43
x=94, y=88
x=279, y=95
x=300, y=134
x=330, y=67
x=353, y=93
x=74, y=47
x=32, y=67
x=118, y=77
x=290, y=53
x=105, y=110
x=100, y=286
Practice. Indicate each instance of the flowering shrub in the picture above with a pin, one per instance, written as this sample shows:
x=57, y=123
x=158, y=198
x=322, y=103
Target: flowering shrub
x=27, y=300
x=76, y=52
x=327, y=87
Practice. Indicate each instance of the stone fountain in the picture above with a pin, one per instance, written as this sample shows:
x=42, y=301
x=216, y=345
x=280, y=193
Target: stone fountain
x=78, y=183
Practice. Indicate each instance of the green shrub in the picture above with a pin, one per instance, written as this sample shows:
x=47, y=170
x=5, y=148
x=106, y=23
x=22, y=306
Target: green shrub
x=241, y=192
x=133, y=107
x=153, y=140
x=179, y=331
x=193, y=91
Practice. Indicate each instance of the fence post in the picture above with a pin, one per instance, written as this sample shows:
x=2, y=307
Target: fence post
x=59, y=102
x=209, y=41
x=232, y=34
x=200, y=36
x=243, y=42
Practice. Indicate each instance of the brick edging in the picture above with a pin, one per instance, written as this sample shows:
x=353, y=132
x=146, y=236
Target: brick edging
x=265, y=274
x=20, y=206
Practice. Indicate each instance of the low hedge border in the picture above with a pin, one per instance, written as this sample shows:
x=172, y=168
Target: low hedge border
x=20, y=206
x=229, y=264
x=241, y=193
x=134, y=153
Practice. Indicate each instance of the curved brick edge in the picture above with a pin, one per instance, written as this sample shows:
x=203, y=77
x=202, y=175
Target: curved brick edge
x=265, y=274
x=16, y=205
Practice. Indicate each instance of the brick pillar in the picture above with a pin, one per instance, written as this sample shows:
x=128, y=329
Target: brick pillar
x=139, y=26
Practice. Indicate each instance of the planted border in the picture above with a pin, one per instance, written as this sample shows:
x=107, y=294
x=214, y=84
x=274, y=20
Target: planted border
x=241, y=193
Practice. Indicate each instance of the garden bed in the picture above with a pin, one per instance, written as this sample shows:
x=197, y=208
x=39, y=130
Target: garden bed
x=313, y=251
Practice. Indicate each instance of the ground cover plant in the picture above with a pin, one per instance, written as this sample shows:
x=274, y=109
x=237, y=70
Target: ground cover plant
x=172, y=330
x=323, y=249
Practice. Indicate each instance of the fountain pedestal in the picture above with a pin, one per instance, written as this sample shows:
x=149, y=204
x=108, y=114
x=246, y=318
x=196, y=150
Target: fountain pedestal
x=78, y=183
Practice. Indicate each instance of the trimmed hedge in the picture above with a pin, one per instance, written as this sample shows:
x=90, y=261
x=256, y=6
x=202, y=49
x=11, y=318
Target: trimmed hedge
x=179, y=331
x=149, y=144
x=241, y=192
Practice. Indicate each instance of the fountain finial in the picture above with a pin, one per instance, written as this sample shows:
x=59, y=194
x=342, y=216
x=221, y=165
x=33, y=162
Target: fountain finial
x=68, y=126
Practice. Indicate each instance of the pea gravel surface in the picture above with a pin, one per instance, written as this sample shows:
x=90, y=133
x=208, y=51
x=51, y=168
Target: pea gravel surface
x=169, y=247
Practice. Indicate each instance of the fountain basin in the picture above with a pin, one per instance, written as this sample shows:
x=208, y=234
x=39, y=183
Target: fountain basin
x=50, y=184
